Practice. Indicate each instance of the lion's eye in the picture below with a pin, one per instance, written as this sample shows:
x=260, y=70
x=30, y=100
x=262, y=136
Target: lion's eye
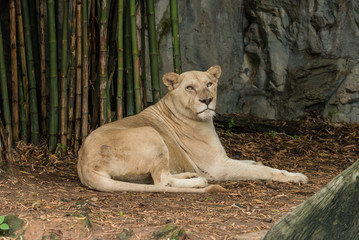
x=209, y=84
x=189, y=88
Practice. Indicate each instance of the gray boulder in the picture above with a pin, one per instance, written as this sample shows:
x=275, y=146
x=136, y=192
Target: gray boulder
x=280, y=58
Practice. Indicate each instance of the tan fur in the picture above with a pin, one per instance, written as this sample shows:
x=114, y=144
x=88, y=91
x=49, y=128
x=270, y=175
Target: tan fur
x=172, y=146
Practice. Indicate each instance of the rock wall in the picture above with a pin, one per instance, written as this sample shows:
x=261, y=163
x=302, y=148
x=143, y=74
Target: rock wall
x=280, y=58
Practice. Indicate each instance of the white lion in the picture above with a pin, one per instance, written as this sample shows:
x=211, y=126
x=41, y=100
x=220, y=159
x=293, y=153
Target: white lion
x=171, y=146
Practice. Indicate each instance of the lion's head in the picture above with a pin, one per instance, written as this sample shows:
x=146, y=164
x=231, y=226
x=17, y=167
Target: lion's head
x=194, y=93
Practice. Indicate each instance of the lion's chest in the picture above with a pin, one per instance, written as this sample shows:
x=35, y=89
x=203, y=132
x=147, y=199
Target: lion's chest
x=194, y=152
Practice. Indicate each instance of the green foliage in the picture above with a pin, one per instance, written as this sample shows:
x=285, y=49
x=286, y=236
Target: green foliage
x=60, y=146
x=9, y=224
x=3, y=226
x=333, y=112
x=272, y=133
x=230, y=126
x=231, y=123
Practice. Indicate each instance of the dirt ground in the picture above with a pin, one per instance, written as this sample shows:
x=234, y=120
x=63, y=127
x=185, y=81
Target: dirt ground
x=44, y=190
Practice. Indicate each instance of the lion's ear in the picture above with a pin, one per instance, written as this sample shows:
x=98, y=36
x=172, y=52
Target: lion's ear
x=171, y=80
x=215, y=71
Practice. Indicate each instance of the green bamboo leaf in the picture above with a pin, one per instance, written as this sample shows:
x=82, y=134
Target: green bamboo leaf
x=2, y=219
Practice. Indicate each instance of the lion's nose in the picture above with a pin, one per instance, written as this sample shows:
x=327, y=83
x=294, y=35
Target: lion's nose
x=207, y=101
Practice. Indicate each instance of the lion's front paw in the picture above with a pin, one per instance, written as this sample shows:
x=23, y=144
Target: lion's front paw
x=299, y=177
x=198, y=182
x=185, y=175
x=286, y=176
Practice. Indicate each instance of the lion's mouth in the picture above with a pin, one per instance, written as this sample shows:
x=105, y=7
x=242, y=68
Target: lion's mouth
x=210, y=109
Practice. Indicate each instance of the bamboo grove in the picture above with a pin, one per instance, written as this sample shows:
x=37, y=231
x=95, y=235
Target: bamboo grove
x=63, y=84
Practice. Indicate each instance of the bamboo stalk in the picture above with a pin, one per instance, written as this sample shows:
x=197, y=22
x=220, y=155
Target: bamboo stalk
x=4, y=162
x=22, y=110
x=25, y=79
x=14, y=76
x=78, y=75
x=34, y=115
x=72, y=73
x=63, y=122
x=108, y=102
x=43, y=68
x=53, y=77
x=120, y=68
x=5, y=149
x=85, y=72
x=103, y=75
x=142, y=15
x=35, y=38
x=130, y=104
x=94, y=83
x=153, y=51
x=4, y=90
x=3, y=159
x=112, y=56
x=135, y=58
x=175, y=37
x=110, y=90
